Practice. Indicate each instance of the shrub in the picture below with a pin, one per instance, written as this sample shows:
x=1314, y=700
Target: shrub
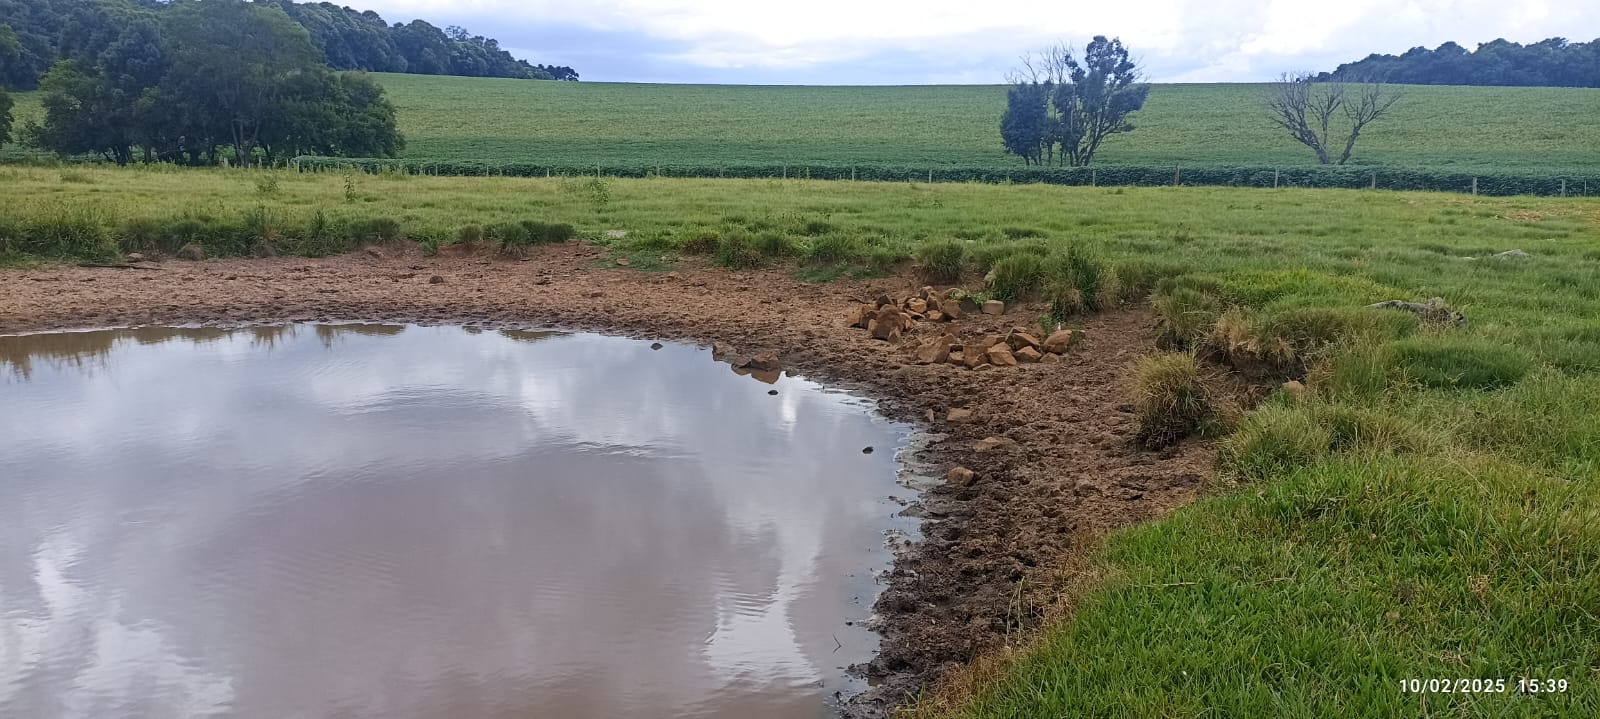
x=1457, y=362
x=943, y=262
x=1170, y=401
x=1018, y=276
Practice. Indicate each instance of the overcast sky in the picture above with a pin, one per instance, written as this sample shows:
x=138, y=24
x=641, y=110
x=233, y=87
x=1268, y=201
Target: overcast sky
x=888, y=42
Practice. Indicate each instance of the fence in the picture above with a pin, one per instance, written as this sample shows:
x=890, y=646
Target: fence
x=1480, y=183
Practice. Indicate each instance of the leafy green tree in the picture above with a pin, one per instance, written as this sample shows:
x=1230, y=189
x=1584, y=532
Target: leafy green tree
x=234, y=62
x=1025, y=126
x=1085, y=102
x=84, y=114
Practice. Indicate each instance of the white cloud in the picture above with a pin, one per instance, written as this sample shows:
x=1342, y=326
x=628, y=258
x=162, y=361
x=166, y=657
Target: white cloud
x=1219, y=40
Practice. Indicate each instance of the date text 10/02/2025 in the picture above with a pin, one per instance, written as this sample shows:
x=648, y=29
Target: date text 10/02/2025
x=1520, y=685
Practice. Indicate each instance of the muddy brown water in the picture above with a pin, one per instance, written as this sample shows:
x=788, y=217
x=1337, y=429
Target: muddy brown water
x=405, y=521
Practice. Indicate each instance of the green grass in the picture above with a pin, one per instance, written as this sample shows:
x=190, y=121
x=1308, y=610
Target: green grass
x=585, y=124
x=1431, y=510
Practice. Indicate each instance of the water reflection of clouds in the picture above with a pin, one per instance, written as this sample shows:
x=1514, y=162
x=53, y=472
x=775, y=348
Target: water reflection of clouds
x=269, y=454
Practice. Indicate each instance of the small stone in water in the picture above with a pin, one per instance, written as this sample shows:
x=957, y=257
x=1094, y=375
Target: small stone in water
x=772, y=391
x=655, y=345
x=866, y=450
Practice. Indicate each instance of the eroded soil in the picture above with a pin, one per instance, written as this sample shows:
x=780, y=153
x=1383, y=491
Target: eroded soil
x=1072, y=474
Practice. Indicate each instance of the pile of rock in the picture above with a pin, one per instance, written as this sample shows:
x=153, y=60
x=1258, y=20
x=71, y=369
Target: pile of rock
x=886, y=319
x=1019, y=346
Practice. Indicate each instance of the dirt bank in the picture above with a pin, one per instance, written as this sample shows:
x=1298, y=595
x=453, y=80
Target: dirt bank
x=1073, y=471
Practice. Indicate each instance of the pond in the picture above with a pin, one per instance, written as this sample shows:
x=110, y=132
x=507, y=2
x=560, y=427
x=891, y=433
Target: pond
x=408, y=521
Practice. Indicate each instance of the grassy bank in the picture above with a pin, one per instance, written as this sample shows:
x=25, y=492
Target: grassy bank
x=1466, y=129
x=1429, y=509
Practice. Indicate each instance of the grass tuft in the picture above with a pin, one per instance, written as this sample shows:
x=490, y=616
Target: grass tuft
x=1170, y=400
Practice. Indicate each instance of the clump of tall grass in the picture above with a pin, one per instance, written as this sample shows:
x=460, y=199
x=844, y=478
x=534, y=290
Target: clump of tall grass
x=1186, y=312
x=1170, y=399
x=66, y=231
x=372, y=230
x=943, y=263
x=834, y=248
x=1279, y=438
x=1018, y=276
x=737, y=249
x=1073, y=285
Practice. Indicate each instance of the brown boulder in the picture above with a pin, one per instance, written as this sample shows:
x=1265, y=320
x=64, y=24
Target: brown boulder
x=917, y=305
x=1059, y=341
x=1028, y=354
x=888, y=323
x=192, y=252
x=994, y=307
x=958, y=415
x=134, y=257
x=1295, y=389
x=1000, y=356
x=936, y=316
x=883, y=301
x=968, y=305
x=991, y=444
x=974, y=358
x=1050, y=359
x=960, y=477
x=435, y=280
x=958, y=357
x=1019, y=338
x=935, y=351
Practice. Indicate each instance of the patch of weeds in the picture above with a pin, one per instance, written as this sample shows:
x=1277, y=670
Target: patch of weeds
x=834, y=248
x=372, y=230
x=1170, y=401
x=139, y=234
x=738, y=250
x=1184, y=316
x=74, y=177
x=700, y=242
x=267, y=185
x=1018, y=276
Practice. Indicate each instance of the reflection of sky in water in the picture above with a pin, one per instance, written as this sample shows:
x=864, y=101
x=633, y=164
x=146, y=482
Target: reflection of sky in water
x=364, y=521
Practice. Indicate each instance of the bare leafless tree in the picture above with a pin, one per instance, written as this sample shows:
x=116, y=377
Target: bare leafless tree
x=1307, y=109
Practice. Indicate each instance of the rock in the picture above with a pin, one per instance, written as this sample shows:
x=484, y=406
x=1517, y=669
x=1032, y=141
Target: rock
x=958, y=415
x=1019, y=338
x=1028, y=354
x=958, y=357
x=991, y=444
x=866, y=450
x=994, y=307
x=656, y=345
x=917, y=305
x=926, y=293
x=882, y=301
x=435, y=280
x=1434, y=310
x=952, y=293
x=983, y=367
x=1510, y=255
x=616, y=234
x=960, y=477
x=134, y=257
x=1084, y=487
x=967, y=305
x=1050, y=359
x=772, y=391
x=859, y=316
x=542, y=281
x=764, y=362
x=721, y=351
x=935, y=316
x=192, y=252
x=374, y=253
x=1059, y=341
x=935, y=351
x=596, y=294
x=888, y=323
x=1295, y=390
x=623, y=262
x=1000, y=356
x=952, y=310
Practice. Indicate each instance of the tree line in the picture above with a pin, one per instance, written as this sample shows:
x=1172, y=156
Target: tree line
x=205, y=81
x=1549, y=63
x=36, y=34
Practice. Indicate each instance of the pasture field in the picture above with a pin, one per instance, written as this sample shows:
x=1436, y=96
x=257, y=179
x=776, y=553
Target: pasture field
x=1465, y=129
x=1429, y=508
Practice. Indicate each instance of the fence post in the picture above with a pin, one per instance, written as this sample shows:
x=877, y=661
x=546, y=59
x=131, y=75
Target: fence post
x=1274, y=179
x=1563, y=188
x=1092, y=180
x=852, y=173
x=785, y=172
x=930, y=175
x=1177, y=175
x=1474, y=185
x=1374, y=184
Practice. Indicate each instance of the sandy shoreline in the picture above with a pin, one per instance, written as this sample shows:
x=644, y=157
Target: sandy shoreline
x=1073, y=473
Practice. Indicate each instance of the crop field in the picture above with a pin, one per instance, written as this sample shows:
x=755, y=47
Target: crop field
x=1465, y=128
x=1440, y=129
x=1431, y=508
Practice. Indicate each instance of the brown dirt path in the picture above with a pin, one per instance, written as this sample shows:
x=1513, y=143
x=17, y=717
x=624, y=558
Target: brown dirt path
x=1073, y=473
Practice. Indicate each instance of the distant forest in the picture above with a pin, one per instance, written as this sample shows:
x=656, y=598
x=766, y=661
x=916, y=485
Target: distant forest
x=1550, y=63
x=35, y=34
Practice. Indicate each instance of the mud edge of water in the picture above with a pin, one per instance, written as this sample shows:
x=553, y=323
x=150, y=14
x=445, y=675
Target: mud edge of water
x=1072, y=474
